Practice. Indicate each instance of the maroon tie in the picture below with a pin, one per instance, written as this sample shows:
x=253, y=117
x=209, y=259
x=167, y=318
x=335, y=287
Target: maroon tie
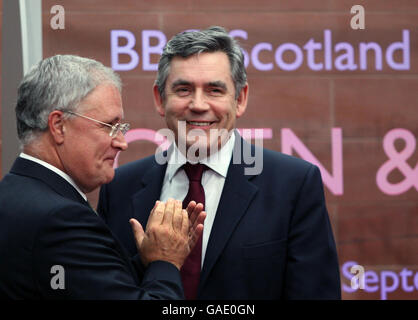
x=190, y=272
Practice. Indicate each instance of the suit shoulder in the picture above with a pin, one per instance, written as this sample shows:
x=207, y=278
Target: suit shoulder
x=285, y=174
x=37, y=196
x=138, y=167
x=25, y=213
x=275, y=160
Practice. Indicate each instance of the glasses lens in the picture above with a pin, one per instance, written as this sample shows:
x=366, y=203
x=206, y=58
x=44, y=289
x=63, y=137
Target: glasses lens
x=124, y=128
x=114, y=130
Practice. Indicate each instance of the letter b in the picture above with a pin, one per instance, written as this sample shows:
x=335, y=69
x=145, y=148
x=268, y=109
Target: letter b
x=117, y=50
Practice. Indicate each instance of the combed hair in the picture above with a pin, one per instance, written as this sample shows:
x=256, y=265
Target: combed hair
x=189, y=43
x=59, y=82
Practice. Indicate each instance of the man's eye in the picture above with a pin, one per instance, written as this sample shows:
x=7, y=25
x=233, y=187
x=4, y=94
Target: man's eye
x=182, y=92
x=106, y=128
x=216, y=91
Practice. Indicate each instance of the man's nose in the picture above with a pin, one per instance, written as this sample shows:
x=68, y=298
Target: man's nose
x=199, y=102
x=119, y=141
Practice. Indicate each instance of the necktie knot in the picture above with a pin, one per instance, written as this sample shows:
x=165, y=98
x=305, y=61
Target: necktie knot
x=194, y=171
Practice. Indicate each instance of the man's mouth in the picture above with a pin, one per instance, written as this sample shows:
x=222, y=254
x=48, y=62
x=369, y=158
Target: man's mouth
x=110, y=158
x=200, y=123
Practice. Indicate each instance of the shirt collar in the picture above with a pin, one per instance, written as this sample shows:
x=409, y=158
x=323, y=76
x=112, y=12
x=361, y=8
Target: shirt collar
x=218, y=162
x=54, y=169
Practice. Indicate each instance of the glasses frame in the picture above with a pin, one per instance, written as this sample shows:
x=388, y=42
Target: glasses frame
x=122, y=127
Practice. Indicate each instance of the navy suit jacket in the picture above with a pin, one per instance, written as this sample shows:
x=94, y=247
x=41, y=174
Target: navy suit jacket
x=271, y=238
x=44, y=222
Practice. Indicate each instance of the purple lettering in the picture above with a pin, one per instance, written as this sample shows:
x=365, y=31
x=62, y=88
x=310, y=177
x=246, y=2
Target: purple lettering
x=384, y=283
x=364, y=47
x=256, y=61
x=117, y=50
x=404, y=274
x=328, y=49
x=348, y=275
x=334, y=182
x=345, y=61
x=416, y=281
x=289, y=66
x=370, y=277
x=310, y=48
x=398, y=160
x=404, y=47
x=147, y=49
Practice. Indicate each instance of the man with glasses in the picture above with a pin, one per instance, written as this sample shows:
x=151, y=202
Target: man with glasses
x=52, y=243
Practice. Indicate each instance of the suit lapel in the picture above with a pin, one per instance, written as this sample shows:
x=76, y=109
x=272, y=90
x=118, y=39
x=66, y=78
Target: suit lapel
x=143, y=201
x=237, y=195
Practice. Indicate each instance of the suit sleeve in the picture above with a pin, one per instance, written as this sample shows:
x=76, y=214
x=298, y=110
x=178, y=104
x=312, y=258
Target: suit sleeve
x=312, y=271
x=93, y=263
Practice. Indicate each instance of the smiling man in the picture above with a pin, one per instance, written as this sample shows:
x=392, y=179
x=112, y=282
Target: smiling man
x=266, y=235
x=69, y=120
x=200, y=95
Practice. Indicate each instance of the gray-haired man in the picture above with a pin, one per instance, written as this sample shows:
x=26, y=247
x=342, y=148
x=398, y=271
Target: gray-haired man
x=52, y=243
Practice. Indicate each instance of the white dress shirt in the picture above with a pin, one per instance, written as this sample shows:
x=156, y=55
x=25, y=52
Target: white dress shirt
x=176, y=183
x=56, y=170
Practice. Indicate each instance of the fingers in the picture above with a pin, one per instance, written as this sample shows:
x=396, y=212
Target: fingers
x=169, y=212
x=200, y=219
x=178, y=216
x=196, y=234
x=186, y=224
x=197, y=230
x=170, y=235
x=157, y=214
x=194, y=211
x=138, y=232
x=190, y=208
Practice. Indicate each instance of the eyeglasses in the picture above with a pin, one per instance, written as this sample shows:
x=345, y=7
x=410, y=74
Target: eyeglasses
x=114, y=129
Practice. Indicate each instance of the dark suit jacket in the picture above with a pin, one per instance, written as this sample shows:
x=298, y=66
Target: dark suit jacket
x=45, y=222
x=271, y=237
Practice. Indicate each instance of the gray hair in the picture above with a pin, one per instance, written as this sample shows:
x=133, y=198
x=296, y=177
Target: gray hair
x=59, y=82
x=189, y=43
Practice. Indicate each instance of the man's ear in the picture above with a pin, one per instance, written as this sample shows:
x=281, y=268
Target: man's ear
x=242, y=101
x=158, y=101
x=56, y=126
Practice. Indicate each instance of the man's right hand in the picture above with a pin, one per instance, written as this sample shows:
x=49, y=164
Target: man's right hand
x=170, y=234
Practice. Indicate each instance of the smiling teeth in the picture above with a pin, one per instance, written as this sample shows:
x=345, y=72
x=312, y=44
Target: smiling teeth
x=202, y=124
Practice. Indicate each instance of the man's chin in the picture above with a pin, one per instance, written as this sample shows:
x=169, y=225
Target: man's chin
x=110, y=176
x=109, y=173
